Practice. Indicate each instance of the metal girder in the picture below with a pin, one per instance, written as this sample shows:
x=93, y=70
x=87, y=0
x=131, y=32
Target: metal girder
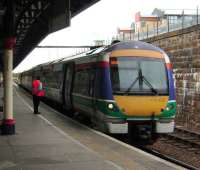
x=35, y=19
x=27, y=16
x=33, y=23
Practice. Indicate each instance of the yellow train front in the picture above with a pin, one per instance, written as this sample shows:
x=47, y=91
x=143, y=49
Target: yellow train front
x=137, y=93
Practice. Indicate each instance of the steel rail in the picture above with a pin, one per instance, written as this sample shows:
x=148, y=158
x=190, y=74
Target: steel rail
x=170, y=159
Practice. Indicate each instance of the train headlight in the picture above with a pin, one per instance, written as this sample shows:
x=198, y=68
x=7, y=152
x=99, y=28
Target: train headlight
x=169, y=107
x=110, y=106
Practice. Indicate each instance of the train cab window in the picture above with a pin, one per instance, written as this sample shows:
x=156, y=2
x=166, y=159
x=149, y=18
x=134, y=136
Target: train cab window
x=121, y=74
x=136, y=75
x=156, y=75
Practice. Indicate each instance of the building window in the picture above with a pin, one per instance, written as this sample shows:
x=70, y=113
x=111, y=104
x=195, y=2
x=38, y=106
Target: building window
x=172, y=19
x=143, y=23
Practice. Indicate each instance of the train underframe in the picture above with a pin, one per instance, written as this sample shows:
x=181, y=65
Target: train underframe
x=144, y=132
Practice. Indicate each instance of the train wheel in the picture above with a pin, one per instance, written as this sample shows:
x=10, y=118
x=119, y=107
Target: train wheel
x=68, y=112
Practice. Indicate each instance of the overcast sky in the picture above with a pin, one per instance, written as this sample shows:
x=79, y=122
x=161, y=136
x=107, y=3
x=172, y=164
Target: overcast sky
x=98, y=22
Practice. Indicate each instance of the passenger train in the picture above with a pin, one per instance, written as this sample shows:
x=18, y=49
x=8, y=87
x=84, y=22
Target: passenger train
x=123, y=88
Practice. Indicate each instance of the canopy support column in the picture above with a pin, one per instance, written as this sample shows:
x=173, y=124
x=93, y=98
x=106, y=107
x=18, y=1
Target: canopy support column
x=8, y=126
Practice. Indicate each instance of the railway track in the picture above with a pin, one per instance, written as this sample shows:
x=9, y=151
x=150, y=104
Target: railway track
x=159, y=153
x=169, y=158
x=184, y=139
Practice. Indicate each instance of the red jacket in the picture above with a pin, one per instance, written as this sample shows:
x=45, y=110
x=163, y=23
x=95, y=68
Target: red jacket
x=35, y=88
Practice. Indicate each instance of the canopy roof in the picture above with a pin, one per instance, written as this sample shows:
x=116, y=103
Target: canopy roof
x=34, y=20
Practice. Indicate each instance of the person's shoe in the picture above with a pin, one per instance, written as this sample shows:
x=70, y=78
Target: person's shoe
x=36, y=112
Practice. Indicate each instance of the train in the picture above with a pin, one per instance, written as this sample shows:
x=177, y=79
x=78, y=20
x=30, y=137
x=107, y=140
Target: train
x=123, y=88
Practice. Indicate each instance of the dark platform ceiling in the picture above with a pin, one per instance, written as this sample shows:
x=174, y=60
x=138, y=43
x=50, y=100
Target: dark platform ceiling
x=35, y=19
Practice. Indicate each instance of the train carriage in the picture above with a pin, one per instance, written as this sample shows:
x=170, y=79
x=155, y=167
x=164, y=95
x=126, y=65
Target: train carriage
x=126, y=87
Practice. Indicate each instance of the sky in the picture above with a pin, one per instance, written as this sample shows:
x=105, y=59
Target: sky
x=99, y=22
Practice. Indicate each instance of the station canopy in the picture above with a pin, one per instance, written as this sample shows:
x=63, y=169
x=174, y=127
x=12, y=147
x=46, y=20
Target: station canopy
x=34, y=20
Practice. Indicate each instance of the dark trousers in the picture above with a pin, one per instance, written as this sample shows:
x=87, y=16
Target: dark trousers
x=36, y=102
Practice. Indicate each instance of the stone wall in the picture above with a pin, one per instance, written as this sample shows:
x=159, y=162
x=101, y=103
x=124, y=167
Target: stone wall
x=183, y=47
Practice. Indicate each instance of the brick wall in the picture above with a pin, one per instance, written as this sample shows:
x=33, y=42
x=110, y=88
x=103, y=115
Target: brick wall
x=183, y=47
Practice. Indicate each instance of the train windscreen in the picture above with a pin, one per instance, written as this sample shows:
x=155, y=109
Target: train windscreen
x=136, y=75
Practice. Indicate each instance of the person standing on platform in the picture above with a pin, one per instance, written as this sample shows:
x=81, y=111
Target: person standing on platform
x=38, y=93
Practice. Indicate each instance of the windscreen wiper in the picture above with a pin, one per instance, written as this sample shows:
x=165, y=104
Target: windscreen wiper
x=128, y=90
x=149, y=85
x=141, y=78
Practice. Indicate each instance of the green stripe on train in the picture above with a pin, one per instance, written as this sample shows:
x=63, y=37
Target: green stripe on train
x=102, y=106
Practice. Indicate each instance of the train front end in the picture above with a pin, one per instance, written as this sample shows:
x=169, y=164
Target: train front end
x=143, y=91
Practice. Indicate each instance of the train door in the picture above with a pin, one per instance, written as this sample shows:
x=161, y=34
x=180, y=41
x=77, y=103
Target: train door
x=92, y=92
x=67, y=88
x=92, y=87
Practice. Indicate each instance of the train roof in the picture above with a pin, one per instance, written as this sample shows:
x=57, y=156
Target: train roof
x=133, y=45
x=117, y=46
x=65, y=59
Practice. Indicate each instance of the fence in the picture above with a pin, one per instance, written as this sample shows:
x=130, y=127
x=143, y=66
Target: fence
x=175, y=20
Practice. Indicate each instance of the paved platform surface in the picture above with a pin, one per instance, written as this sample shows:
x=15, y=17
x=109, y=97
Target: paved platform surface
x=51, y=141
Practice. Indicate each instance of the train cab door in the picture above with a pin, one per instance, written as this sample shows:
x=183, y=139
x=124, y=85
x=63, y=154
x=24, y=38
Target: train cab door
x=67, y=88
x=92, y=92
x=92, y=87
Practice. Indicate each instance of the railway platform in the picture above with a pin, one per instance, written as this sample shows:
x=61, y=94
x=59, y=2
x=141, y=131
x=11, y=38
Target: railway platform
x=51, y=141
